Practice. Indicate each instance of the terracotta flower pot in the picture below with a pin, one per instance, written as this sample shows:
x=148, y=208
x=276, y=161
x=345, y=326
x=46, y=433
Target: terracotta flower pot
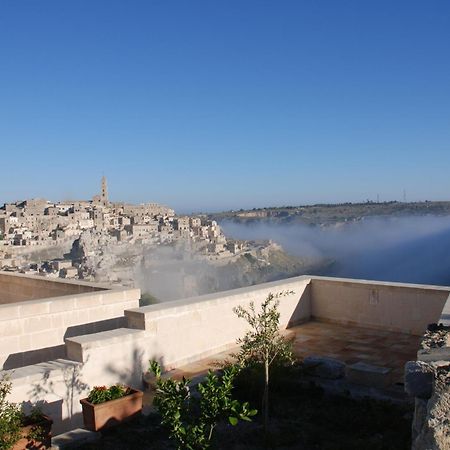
x=104, y=415
x=35, y=435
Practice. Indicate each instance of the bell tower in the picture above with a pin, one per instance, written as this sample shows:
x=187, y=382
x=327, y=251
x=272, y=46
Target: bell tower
x=104, y=195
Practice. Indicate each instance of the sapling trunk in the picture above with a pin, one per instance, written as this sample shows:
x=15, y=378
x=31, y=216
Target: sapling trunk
x=266, y=395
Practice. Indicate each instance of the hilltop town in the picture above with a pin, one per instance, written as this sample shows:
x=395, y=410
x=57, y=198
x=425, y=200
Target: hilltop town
x=140, y=245
x=36, y=226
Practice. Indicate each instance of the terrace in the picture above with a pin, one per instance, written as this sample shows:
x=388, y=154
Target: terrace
x=103, y=337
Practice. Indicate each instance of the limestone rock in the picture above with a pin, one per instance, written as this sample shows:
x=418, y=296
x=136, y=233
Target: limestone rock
x=435, y=432
x=324, y=367
x=418, y=379
x=368, y=374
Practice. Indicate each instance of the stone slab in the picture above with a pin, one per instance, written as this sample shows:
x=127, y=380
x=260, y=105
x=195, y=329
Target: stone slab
x=368, y=375
x=324, y=367
x=434, y=354
x=73, y=439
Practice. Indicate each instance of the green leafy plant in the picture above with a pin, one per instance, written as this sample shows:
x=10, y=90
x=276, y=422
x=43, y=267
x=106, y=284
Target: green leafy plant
x=10, y=417
x=34, y=418
x=36, y=433
x=191, y=419
x=263, y=345
x=101, y=394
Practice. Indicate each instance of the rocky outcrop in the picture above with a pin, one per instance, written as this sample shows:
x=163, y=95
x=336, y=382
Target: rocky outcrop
x=428, y=380
x=431, y=427
x=419, y=378
x=94, y=252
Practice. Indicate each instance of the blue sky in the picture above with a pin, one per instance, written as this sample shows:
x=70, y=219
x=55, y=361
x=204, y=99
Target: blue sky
x=208, y=105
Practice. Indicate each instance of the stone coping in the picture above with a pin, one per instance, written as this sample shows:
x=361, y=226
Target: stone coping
x=95, y=286
x=357, y=281
x=104, y=338
x=284, y=285
x=61, y=302
x=36, y=372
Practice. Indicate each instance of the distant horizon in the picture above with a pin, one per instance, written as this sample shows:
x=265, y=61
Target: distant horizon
x=217, y=106
x=235, y=209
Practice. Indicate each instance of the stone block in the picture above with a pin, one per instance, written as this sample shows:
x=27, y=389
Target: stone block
x=418, y=379
x=32, y=309
x=74, y=439
x=47, y=338
x=9, y=312
x=368, y=375
x=10, y=344
x=61, y=305
x=434, y=354
x=88, y=301
x=324, y=367
x=33, y=325
x=10, y=328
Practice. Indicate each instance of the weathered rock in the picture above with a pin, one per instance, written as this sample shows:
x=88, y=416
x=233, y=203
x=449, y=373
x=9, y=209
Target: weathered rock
x=418, y=379
x=419, y=420
x=324, y=367
x=435, y=429
x=368, y=375
x=436, y=336
x=434, y=354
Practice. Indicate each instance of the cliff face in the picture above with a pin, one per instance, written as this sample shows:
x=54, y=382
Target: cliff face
x=95, y=252
x=180, y=270
x=168, y=278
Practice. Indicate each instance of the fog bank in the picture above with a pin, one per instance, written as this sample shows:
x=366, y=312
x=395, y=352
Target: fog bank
x=407, y=249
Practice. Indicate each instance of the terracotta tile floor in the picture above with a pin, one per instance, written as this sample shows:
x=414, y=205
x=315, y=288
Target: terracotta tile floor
x=346, y=343
x=352, y=344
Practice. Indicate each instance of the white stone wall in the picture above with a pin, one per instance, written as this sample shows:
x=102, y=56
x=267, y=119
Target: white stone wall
x=35, y=330
x=187, y=330
x=406, y=308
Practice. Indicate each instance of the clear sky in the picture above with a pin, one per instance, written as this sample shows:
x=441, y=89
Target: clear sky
x=209, y=105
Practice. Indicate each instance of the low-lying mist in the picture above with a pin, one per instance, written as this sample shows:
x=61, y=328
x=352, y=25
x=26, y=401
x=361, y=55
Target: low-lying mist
x=405, y=249
x=173, y=272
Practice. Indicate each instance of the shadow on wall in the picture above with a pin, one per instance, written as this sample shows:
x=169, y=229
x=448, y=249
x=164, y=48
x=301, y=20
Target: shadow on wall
x=27, y=358
x=130, y=375
x=95, y=327
x=302, y=312
x=16, y=360
x=134, y=374
x=67, y=389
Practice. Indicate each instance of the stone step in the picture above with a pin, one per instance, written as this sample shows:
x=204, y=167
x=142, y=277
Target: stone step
x=73, y=439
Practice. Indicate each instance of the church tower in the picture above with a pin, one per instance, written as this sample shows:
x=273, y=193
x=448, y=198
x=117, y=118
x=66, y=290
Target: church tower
x=104, y=196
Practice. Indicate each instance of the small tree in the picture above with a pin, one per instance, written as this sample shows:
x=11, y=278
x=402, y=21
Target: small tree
x=263, y=344
x=10, y=417
x=190, y=419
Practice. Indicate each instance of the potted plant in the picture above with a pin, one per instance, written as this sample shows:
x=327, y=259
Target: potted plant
x=35, y=431
x=108, y=406
x=18, y=430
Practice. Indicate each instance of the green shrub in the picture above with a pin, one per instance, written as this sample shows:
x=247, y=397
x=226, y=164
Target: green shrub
x=10, y=417
x=101, y=394
x=191, y=419
x=148, y=299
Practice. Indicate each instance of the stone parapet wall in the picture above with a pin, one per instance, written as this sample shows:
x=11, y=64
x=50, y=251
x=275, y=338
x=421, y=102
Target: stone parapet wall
x=405, y=308
x=16, y=287
x=183, y=331
x=186, y=330
x=34, y=330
